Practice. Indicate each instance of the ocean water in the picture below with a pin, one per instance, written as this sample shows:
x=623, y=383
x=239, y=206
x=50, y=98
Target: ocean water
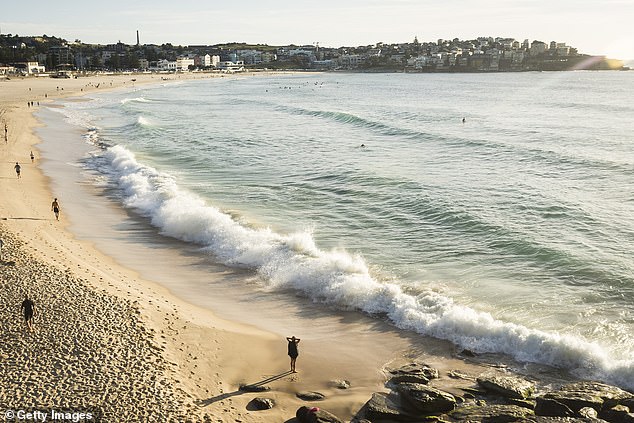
x=509, y=233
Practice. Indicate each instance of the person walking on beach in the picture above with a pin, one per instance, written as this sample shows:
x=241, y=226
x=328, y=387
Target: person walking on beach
x=17, y=169
x=292, y=351
x=1, y=245
x=55, y=208
x=32, y=157
x=28, y=306
x=6, y=133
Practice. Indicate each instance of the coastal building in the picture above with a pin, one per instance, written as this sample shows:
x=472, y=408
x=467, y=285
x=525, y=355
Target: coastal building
x=537, y=48
x=62, y=55
x=183, y=63
x=229, y=66
x=166, y=65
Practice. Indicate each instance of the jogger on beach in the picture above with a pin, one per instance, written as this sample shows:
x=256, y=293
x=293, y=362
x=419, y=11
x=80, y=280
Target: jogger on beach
x=17, y=169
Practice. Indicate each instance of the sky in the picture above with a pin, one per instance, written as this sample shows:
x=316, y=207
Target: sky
x=601, y=27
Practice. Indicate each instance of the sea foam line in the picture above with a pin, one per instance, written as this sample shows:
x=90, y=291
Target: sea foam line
x=336, y=277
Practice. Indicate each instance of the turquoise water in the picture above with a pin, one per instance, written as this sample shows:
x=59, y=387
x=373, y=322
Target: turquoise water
x=511, y=232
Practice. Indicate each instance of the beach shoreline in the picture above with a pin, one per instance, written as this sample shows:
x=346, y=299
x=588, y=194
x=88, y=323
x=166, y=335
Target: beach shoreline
x=208, y=356
x=228, y=353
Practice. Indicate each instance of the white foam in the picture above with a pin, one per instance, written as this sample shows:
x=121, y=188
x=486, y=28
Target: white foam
x=136, y=99
x=336, y=277
x=143, y=121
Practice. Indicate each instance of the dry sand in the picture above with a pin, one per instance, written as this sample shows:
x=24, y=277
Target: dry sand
x=110, y=341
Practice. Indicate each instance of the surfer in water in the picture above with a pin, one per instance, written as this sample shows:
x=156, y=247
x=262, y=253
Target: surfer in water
x=293, y=353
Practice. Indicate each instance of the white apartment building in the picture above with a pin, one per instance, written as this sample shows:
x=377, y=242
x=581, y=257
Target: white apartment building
x=183, y=63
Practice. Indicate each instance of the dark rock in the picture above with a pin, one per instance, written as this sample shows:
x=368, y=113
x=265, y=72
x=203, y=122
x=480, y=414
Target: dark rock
x=315, y=415
x=254, y=388
x=589, y=394
x=552, y=408
x=382, y=407
x=408, y=379
x=575, y=401
x=426, y=399
x=414, y=370
x=310, y=396
x=261, y=404
x=492, y=413
x=617, y=414
x=507, y=386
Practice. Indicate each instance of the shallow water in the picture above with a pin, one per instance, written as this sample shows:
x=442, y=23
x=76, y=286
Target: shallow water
x=508, y=233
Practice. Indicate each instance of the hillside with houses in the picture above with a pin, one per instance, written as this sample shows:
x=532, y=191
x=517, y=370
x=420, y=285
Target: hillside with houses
x=46, y=54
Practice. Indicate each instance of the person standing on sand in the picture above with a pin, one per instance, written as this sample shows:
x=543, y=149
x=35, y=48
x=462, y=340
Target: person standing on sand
x=1, y=245
x=17, y=169
x=29, y=311
x=32, y=157
x=55, y=208
x=292, y=351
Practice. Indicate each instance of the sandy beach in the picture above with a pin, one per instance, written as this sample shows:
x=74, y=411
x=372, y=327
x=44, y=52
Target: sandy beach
x=109, y=342
x=122, y=343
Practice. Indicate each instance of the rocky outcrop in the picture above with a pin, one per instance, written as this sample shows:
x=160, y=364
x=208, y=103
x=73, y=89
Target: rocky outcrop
x=493, y=398
x=492, y=413
x=507, y=386
x=579, y=395
x=414, y=373
x=383, y=407
x=426, y=399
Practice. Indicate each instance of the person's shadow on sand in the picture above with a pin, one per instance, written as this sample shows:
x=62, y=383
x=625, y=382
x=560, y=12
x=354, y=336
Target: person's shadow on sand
x=253, y=387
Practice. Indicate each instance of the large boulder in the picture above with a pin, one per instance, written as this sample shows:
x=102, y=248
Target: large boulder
x=588, y=394
x=507, y=386
x=315, y=415
x=414, y=373
x=426, y=399
x=492, y=413
x=383, y=407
